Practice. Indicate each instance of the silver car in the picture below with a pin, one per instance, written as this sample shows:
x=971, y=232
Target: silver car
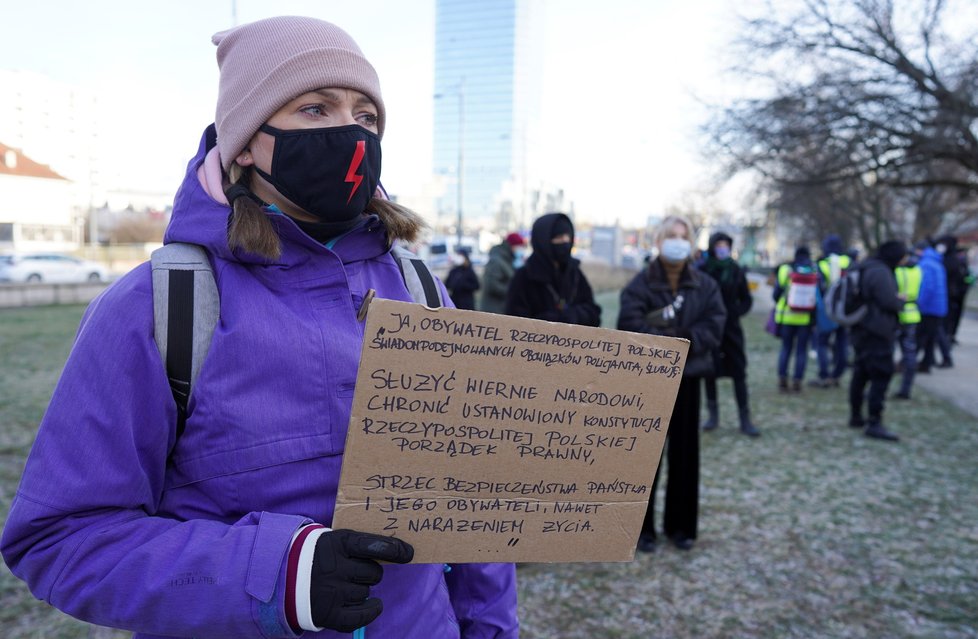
x=49, y=267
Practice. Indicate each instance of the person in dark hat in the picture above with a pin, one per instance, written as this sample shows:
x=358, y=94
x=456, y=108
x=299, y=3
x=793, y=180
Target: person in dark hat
x=551, y=286
x=462, y=281
x=730, y=359
x=874, y=339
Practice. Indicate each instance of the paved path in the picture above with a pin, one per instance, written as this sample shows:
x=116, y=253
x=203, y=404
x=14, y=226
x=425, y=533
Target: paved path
x=958, y=385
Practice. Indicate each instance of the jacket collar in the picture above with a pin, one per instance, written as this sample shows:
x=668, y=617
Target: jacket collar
x=655, y=276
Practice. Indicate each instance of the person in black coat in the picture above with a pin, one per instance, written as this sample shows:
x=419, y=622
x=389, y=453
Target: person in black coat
x=462, y=282
x=874, y=338
x=730, y=360
x=551, y=286
x=673, y=298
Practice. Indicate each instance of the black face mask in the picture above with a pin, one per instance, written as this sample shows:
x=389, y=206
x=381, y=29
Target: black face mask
x=330, y=173
x=561, y=253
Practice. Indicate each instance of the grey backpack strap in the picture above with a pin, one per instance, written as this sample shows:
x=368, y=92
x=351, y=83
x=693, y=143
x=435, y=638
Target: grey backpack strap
x=186, y=308
x=418, y=278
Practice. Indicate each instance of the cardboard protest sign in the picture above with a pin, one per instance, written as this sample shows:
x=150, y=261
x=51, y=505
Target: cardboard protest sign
x=480, y=437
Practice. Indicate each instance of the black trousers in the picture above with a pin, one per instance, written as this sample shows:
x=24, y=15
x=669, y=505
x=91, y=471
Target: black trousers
x=682, y=458
x=873, y=365
x=740, y=389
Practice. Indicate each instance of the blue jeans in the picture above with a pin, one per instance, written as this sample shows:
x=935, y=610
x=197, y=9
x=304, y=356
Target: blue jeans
x=840, y=352
x=794, y=337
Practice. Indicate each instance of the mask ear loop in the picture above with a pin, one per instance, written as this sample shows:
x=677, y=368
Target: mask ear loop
x=235, y=191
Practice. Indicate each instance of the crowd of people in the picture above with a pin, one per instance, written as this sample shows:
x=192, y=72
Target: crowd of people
x=907, y=294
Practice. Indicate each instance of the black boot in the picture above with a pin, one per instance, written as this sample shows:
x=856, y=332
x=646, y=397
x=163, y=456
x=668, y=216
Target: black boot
x=876, y=430
x=746, y=427
x=714, y=419
x=783, y=384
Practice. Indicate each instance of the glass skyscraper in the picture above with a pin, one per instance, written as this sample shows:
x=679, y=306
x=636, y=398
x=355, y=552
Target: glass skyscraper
x=488, y=68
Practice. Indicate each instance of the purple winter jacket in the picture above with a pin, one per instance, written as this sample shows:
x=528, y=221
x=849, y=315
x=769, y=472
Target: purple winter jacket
x=118, y=523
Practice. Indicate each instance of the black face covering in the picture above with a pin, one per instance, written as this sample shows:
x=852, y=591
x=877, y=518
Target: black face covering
x=330, y=173
x=561, y=253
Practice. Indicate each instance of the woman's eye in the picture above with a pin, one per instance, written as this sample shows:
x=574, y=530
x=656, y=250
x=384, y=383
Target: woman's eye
x=368, y=119
x=314, y=109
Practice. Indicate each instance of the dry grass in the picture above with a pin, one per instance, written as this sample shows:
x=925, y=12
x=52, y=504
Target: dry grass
x=810, y=531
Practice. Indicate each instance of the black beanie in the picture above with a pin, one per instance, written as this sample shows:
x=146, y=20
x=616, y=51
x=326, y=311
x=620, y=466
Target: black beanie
x=891, y=252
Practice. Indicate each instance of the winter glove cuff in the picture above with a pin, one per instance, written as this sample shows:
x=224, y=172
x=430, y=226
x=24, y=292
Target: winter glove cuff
x=298, y=608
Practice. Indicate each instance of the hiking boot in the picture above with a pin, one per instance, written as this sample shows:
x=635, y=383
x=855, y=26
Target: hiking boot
x=946, y=364
x=746, y=427
x=820, y=383
x=876, y=430
x=796, y=385
x=714, y=416
x=834, y=382
x=856, y=421
x=783, y=384
x=901, y=395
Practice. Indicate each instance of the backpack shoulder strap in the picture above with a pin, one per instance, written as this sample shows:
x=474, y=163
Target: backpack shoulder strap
x=186, y=308
x=417, y=277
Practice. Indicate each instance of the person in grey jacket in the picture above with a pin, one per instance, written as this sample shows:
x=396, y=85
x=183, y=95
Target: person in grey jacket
x=874, y=338
x=503, y=262
x=674, y=299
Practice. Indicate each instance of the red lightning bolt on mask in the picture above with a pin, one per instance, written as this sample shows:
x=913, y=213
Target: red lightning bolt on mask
x=351, y=173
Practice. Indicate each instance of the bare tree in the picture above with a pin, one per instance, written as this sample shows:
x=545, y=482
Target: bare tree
x=870, y=117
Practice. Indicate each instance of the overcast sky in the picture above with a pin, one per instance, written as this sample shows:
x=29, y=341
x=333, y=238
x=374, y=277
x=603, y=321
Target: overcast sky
x=619, y=114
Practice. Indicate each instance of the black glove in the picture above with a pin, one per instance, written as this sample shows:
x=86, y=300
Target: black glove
x=343, y=569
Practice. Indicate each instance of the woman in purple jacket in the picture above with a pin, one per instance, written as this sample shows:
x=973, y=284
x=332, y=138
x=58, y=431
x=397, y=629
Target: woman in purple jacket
x=221, y=531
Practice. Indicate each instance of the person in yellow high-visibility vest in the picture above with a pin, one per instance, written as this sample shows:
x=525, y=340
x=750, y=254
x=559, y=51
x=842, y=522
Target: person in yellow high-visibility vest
x=831, y=268
x=908, y=277
x=794, y=325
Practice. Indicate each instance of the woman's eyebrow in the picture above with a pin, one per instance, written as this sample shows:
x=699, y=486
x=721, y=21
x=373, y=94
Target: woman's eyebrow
x=328, y=94
x=335, y=97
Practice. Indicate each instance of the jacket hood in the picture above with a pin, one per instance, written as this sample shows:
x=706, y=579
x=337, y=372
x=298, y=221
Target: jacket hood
x=503, y=251
x=833, y=244
x=719, y=236
x=543, y=232
x=931, y=255
x=198, y=218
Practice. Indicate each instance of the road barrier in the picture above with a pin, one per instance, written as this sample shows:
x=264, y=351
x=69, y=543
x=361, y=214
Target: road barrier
x=18, y=295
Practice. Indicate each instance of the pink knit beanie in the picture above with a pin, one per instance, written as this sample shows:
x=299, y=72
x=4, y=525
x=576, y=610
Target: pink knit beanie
x=267, y=63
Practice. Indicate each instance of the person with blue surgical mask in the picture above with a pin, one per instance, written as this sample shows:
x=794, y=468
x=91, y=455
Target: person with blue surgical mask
x=730, y=359
x=674, y=299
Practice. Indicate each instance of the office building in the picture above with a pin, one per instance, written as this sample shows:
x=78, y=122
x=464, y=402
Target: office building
x=488, y=77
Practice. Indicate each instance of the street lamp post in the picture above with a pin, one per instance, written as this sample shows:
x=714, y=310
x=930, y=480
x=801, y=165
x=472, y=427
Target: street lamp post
x=461, y=160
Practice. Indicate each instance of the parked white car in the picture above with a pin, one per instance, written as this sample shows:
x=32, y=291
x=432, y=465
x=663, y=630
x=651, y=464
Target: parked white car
x=49, y=267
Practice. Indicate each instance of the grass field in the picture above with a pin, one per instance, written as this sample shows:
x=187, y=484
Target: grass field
x=811, y=530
